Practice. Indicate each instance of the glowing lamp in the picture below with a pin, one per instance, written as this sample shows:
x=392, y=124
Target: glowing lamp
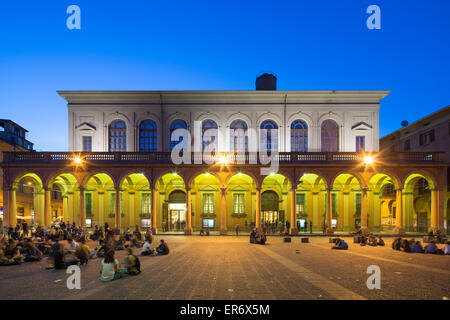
x=77, y=160
x=368, y=160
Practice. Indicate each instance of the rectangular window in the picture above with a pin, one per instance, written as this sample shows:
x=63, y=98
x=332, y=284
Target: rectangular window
x=208, y=203
x=407, y=146
x=87, y=144
x=239, y=203
x=301, y=203
x=146, y=203
x=88, y=202
x=426, y=137
x=20, y=211
x=360, y=143
x=20, y=188
x=334, y=204
x=358, y=199
x=112, y=202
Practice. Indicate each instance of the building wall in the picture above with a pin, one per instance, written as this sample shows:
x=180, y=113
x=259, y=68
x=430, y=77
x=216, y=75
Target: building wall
x=355, y=113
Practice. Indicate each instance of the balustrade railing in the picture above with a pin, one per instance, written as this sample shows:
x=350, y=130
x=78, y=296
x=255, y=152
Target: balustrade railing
x=220, y=158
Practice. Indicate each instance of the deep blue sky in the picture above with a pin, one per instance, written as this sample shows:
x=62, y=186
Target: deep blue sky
x=220, y=45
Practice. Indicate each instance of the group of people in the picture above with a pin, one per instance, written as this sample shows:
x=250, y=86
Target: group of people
x=371, y=240
x=258, y=236
x=13, y=252
x=414, y=246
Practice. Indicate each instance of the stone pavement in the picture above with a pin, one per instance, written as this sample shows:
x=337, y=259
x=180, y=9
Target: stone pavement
x=228, y=267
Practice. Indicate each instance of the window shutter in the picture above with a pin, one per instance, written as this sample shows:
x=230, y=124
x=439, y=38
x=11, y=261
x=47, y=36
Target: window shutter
x=421, y=139
x=432, y=135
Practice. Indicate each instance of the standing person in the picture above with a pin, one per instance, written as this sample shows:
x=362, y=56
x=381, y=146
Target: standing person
x=25, y=228
x=237, y=229
x=288, y=226
x=310, y=227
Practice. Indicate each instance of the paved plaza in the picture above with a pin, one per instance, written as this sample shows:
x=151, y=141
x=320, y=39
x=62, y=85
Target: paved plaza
x=228, y=267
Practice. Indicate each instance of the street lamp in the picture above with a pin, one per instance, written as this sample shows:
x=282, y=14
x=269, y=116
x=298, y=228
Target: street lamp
x=368, y=160
x=77, y=160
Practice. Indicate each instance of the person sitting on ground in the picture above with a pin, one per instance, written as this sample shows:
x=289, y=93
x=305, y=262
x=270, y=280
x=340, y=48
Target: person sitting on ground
x=132, y=263
x=90, y=254
x=146, y=250
x=373, y=241
x=127, y=234
x=31, y=253
x=260, y=236
x=363, y=241
x=73, y=245
x=110, y=267
x=59, y=260
x=253, y=236
x=149, y=235
x=340, y=245
x=81, y=255
x=135, y=243
x=447, y=247
x=417, y=248
x=405, y=246
x=162, y=249
x=397, y=244
x=380, y=242
x=412, y=242
x=119, y=242
x=137, y=233
x=431, y=248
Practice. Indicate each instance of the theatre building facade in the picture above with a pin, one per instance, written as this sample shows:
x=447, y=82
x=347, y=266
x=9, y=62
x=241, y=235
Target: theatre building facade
x=249, y=158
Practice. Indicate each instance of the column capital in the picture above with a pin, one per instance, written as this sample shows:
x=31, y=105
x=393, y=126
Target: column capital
x=81, y=189
x=224, y=190
x=258, y=189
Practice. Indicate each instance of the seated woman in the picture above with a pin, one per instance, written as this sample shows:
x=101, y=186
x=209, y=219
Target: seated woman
x=110, y=267
x=135, y=243
x=363, y=241
x=447, y=248
x=132, y=263
x=405, y=246
x=373, y=241
x=118, y=242
x=431, y=248
x=417, y=248
x=340, y=245
x=13, y=259
x=162, y=249
x=380, y=242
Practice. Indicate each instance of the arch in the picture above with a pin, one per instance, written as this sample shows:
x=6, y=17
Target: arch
x=192, y=178
x=329, y=133
x=348, y=178
x=148, y=136
x=238, y=136
x=269, y=200
x=95, y=174
x=67, y=176
x=319, y=176
x=117, y=136
x=244, y=172
x=175, y=125
x=171, y=173
x=299, y=136
x=268, y=139
x=375, y=177
x=135, y=177
x=412, y=178
x=36, y=178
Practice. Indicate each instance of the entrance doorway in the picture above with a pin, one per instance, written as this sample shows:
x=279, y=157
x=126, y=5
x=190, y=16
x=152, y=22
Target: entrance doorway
x=270, y=214
x=176, y=220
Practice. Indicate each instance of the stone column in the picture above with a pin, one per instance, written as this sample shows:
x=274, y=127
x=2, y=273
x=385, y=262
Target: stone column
x=258, y=208
x=117, y=213
x=154, y=212
x=101, y=207
x=294, y=229
x=437, y=211
x=131, y=194
x=399, y=213
x=364, y=227
x=13, y=207
x=47, y=207
x=82, y=219
x=223, y=211
x=188, y=229
x=329, y=213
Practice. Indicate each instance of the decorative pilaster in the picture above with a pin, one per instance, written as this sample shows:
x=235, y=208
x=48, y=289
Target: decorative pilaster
x=294, y=229
x=223, y=211
x=258, y=208
x=188, y=229
x=399, y=213
x=82, y=217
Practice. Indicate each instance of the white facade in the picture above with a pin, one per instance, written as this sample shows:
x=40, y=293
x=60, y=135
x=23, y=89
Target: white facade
x=355, y=112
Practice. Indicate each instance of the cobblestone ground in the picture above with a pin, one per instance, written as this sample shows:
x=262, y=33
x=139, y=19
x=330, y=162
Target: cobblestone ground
x=228, y=267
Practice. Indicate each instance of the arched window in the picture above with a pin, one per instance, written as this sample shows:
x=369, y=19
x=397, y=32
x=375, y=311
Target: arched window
x=299, y=136
x=238, y=136
x=268, y=136
x=211, y=139
x=148, y=136
x=118, y=136
x=330, y=136
x=177, y=124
